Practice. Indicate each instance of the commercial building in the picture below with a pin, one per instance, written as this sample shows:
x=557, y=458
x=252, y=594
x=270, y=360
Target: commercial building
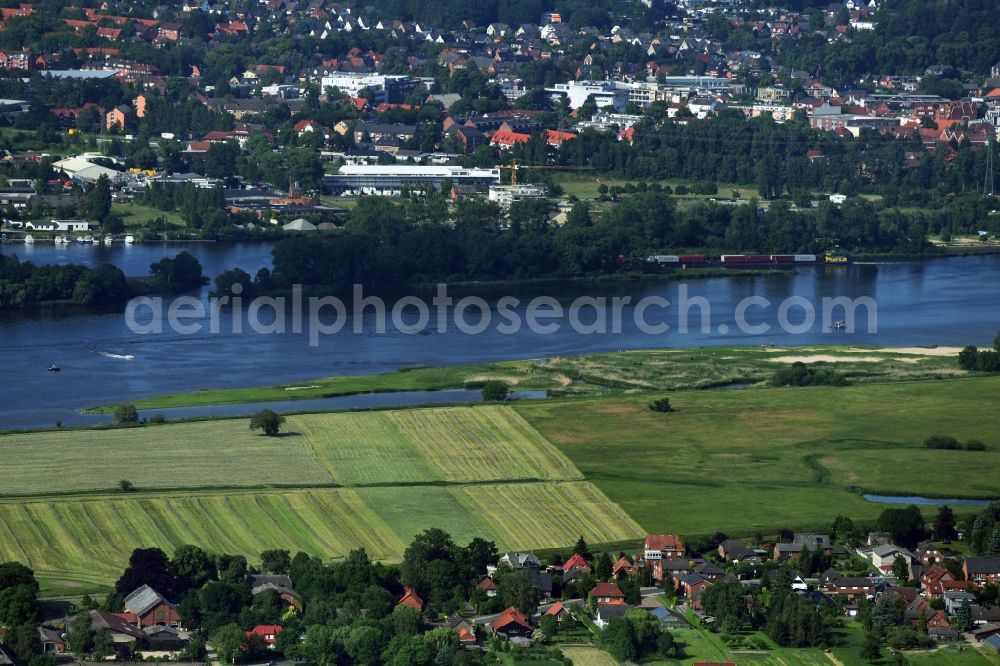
x=391, y=89
x=505, y=195
x=392, y=179
x=617, y=94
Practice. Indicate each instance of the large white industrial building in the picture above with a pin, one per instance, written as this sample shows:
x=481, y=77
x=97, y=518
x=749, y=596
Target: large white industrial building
x=390, y=180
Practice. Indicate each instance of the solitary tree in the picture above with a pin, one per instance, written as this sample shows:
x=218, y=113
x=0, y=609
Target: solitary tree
x=495, y=391
x=871, y=651
x=267, y=421
x=126, y=413
x=661, y=405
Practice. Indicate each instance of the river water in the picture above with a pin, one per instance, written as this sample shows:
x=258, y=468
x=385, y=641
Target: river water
x=954, y=301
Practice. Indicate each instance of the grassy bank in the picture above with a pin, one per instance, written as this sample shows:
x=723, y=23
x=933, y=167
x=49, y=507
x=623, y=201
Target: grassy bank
x=757, y=461
x=645, y=370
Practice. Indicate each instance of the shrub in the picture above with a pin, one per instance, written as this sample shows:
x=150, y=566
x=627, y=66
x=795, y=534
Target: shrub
x=661, y=405
x=975, y=445
x=495, y=391
x=157, y=419
x=126, y=413
x=125, y=486
x=799, y=374
x=942, y=442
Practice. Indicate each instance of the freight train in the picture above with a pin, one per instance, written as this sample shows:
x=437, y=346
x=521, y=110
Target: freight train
x=744, y=260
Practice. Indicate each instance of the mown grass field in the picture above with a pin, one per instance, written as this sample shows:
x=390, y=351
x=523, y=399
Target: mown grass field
x=454, y=444
x=763, y=459
x=228, y=490
x=85, y=543
x=182, y=455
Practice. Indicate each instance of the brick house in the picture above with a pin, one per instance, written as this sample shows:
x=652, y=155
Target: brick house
x=152, y=609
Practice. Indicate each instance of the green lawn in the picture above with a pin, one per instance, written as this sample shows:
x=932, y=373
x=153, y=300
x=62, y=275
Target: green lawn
x=585, y=186
x=138, y=215
x=763, y=459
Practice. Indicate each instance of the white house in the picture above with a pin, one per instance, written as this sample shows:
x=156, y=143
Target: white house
x=883, y=556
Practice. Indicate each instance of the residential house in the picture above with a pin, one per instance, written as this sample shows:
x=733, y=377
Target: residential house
x=854, y=587
x=558, y=611
x=51, y=640
x=150, y=608
x=607, y=612
x=982, y=570
x=518, y=561
x=734, y=550
x=930, y=553
x=310, y=126
x=983, y=615
x=411, y=599
x=512, y=623
x=7, y=657
x=955, y=599
x=124, y=635
x=489, y=586
x=882, y=557
x=577, y=561
x=281, y=584
x=117, y=118
x=606, y=593
x=660, y=547
x=693, y=585
x=624, y=568
x=267, y=632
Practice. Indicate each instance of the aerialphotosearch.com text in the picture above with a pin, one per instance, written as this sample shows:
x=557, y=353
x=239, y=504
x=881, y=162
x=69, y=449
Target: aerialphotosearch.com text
x=322, y=316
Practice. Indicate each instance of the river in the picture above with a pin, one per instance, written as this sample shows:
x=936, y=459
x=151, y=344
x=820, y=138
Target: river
x=953, y=301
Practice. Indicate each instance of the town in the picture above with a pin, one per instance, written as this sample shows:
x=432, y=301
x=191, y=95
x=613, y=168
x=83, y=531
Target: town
x=201, y=97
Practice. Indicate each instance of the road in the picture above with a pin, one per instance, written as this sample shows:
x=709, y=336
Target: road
x=485, y=619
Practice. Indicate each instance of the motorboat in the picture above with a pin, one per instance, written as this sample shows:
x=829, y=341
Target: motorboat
x=129, y=239
x=54, y=368
x=108, y=240
x=29, y=240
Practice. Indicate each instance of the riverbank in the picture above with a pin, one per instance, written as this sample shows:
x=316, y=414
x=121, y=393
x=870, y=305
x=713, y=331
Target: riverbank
x=603, y=374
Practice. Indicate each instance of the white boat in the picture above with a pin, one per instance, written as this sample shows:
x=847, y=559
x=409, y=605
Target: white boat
x=61, y=240
x=89, y=240
x=108, y=240
x=29, y=240
x=129, y=239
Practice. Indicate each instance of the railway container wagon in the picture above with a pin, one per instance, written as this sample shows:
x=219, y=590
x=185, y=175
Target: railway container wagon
x=783, y=258
x=692, y=259
x=805, y=258
x=667, y=259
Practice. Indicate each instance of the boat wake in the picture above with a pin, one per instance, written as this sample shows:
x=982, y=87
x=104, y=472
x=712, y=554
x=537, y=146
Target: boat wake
x=124, y=357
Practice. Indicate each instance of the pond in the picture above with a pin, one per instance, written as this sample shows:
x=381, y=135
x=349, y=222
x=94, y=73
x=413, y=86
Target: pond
x=923, y=501
x=356, y=401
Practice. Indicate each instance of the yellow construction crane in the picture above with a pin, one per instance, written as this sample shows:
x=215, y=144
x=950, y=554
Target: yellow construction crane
x=514, y=167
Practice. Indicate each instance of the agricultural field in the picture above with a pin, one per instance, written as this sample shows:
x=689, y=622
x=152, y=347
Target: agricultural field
x=183, y=455
x=453, y=444
x=83, y=544
x=228, y=490
x=763, y=459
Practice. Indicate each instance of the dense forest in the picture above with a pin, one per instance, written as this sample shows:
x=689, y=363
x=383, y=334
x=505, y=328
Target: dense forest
x=387, y=245
x=23, y=284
